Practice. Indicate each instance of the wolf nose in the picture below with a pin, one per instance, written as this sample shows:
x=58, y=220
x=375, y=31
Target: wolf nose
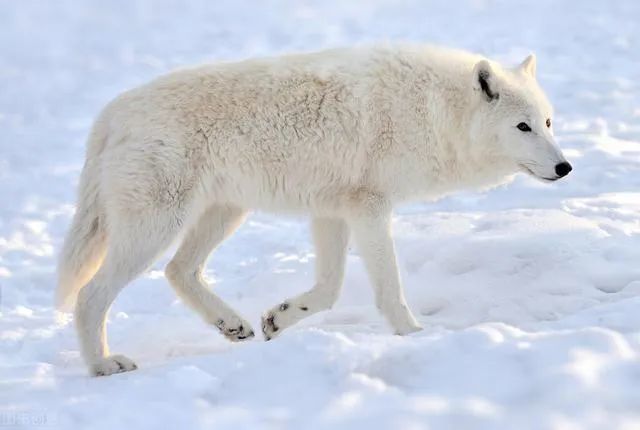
x=563, y=169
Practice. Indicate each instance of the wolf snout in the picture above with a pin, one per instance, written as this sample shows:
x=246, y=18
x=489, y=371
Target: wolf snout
x=563, y=169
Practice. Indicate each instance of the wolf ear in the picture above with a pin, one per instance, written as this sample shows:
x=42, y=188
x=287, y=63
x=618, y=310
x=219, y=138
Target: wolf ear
x=484, y=81
x=528, y=66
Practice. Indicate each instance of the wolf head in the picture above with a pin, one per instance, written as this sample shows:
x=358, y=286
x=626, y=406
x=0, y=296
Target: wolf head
x=512, y=118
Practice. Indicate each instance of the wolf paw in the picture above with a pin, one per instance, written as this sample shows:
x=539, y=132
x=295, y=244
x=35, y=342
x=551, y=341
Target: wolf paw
x=284, y=315
x=277, y=319
x=406, y=326
x=408, y=330
x=112, y=364
x=236, y=330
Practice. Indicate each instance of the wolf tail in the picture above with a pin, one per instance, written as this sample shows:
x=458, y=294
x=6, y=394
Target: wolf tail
x=86, y=241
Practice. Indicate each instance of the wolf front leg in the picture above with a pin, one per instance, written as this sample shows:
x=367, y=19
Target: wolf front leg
x=331, y=238
x=371, y=227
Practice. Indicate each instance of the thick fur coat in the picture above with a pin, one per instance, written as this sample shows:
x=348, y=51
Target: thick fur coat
x=340, y=135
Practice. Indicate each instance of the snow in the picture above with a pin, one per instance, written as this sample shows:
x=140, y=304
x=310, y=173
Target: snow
x=528, y=294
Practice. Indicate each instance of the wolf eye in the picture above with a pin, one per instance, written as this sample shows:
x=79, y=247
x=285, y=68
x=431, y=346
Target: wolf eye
x=523, y=126
x=548, y=122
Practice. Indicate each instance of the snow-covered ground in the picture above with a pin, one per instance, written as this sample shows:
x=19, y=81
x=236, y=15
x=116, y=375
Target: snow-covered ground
x=528, y=293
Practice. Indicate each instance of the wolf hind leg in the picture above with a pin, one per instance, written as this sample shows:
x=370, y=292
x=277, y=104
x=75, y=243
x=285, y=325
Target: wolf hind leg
x=185, y=271
x=133, y=246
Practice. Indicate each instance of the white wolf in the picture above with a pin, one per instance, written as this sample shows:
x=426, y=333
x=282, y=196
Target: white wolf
x=341, y=135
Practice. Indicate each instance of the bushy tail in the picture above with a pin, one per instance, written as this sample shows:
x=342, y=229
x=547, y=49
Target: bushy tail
x=85, y=244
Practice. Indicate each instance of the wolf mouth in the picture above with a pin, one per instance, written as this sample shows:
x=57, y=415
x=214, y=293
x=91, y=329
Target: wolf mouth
x=532, y=173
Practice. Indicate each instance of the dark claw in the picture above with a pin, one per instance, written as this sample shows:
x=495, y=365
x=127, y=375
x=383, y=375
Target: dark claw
x=235, y=330
x=304, y=308
x=269, y=323
x=248, y=336
x=272, y=323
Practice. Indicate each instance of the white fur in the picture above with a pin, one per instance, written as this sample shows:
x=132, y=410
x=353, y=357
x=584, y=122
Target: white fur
x=340, y=135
